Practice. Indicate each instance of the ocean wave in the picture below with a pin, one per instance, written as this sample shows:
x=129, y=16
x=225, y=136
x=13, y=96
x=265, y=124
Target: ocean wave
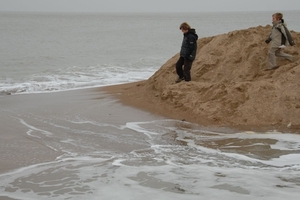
x=79, y=77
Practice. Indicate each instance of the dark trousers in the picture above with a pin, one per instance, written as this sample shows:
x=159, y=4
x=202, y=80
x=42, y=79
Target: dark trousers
x=183, y=68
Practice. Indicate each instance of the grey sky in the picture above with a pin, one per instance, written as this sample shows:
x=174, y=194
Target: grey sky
x=148, y=5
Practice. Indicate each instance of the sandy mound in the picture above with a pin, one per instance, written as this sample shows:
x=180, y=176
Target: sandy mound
x=229, y=83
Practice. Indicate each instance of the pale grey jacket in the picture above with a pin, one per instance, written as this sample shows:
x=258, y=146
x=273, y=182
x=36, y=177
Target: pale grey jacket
x=275, y=36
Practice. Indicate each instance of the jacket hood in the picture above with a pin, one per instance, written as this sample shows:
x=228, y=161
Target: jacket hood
x=279, y=23
x=193, y=31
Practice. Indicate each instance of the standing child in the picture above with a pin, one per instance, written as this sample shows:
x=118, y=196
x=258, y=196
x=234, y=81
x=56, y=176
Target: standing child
x=278, y=39
x=187, y=53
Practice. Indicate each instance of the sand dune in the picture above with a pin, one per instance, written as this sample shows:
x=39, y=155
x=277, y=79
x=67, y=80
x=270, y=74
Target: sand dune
x=229, y=84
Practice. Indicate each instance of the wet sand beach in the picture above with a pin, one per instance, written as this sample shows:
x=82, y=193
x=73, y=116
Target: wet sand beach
x=83, y=143
x=27, y=122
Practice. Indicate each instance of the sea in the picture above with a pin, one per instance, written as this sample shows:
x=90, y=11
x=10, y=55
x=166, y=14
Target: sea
x=44, y=53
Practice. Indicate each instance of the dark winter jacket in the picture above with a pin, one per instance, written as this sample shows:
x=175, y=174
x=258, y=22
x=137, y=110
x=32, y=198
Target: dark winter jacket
x=189, y=45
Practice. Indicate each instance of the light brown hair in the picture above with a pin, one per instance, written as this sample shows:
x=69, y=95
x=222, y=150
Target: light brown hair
x=185, y=26
x=278, y=15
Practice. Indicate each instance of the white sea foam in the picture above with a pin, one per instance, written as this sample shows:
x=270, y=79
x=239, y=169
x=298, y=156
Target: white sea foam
x=90, y=178
x=181, y=161
x=32, y=128
x=78, y=77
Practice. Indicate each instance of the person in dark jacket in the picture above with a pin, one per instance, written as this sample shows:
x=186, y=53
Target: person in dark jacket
x=187, y=53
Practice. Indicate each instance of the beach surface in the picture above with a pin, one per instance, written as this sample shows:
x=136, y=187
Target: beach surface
x=87, y=143
x=231, y=85
x=33, y=125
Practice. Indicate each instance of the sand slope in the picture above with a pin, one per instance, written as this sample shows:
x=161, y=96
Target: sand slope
x=229, y=83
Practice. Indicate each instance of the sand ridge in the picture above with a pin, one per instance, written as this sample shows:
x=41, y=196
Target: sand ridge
x=229, y=86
